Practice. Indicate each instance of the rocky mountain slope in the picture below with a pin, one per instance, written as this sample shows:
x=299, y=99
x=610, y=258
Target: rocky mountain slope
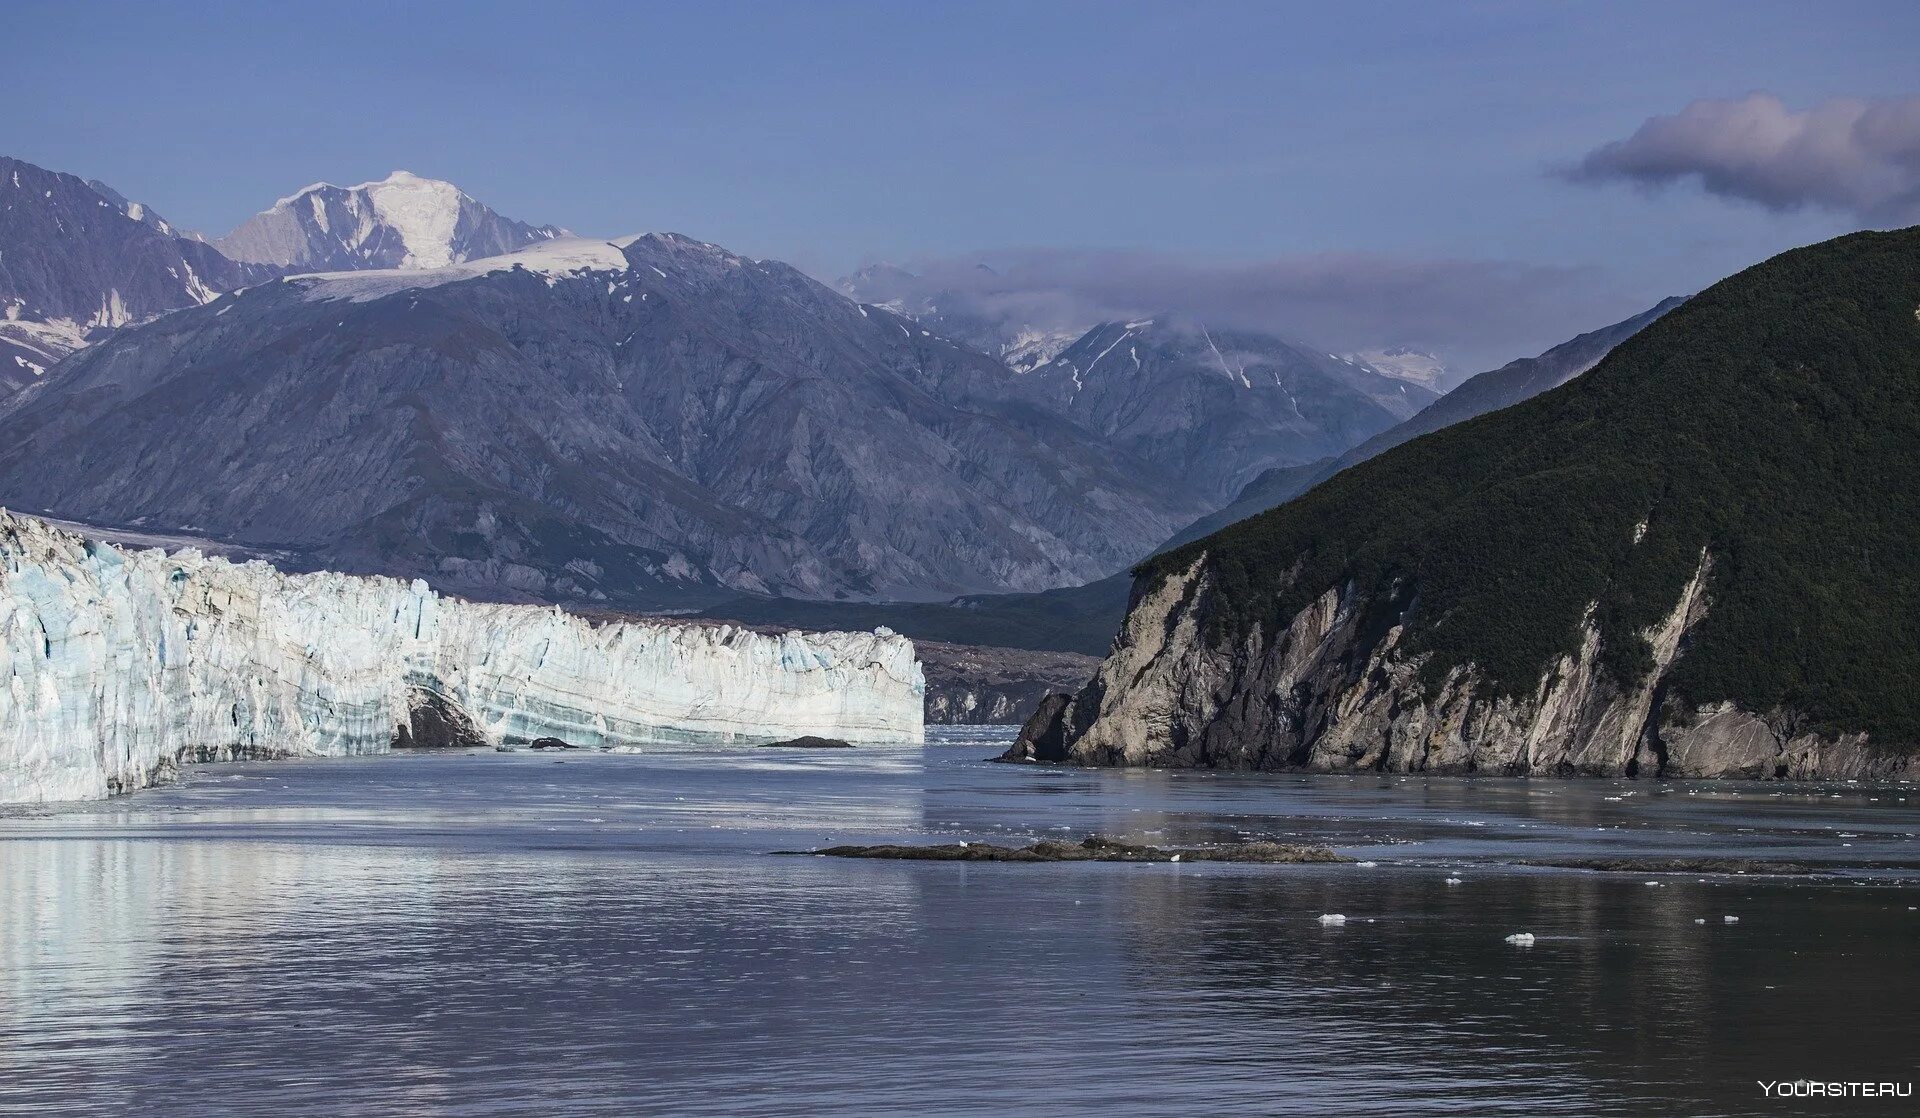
x=1215, y=408
x=1210, y=406
x=76, y=261
x=1699, y=559
x=401, y=221
x=126, y=664
x=650, y=423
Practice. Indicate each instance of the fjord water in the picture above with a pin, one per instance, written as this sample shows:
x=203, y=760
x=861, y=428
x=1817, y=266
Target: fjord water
x=487, y=934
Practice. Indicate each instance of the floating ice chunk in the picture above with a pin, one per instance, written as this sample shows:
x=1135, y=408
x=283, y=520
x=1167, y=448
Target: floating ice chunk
x=1699, y=919
x=1332, y=919
x=1453, y=881
x=1731, y=919
x=1368, y=865
x=1521, y=939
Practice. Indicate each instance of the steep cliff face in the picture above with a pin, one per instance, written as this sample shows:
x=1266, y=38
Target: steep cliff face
x=1324, y=693
x=118, y=666
x=1694, y=560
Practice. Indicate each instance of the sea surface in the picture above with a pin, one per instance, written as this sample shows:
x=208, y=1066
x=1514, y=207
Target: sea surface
x=612, y=934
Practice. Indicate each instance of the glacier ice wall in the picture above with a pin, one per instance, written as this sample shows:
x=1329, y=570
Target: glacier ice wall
x=116, y=666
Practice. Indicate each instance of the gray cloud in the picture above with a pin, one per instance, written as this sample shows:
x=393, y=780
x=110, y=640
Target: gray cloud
x=1851, y=156
x=1475, y=313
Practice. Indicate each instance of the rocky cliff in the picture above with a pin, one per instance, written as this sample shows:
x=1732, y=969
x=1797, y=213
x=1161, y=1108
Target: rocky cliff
x=116, y=666
x=1324, y=693
x=1694, y=561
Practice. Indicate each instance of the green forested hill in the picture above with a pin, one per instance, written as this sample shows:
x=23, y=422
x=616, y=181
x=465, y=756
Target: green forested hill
x=1773, y=420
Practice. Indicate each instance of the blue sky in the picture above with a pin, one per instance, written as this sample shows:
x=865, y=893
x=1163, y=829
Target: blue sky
x=832, y=133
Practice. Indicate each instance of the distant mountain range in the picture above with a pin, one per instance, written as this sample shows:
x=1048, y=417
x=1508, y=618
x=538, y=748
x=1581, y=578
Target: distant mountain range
x=78, y=259
x=649, y=422
x=1213, y=407
x=394, y=377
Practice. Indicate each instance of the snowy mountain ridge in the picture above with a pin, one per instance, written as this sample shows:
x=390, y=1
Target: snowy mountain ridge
x=404, y=221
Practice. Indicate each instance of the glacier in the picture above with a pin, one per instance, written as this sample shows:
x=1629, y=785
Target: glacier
x=120, y=665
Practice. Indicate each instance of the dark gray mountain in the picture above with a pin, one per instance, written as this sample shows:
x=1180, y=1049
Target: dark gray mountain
x=1211, y=407
x=1084, y=618
x=402, y=221
x=140, y=212
x=1504, y=387
x=652, y=423
x=1215, y=408
x=74, y=260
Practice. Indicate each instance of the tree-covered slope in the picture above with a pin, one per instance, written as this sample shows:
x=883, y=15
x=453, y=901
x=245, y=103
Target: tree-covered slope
x=1771, y=423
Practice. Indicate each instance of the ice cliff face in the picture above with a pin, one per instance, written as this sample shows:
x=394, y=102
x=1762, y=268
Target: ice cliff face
x=117, y=666
x=1325, y=694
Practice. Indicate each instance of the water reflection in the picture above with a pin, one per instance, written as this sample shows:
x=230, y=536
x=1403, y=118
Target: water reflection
x=607, y=935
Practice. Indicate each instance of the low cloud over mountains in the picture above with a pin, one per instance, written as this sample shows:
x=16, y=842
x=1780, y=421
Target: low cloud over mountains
x=1474, y=312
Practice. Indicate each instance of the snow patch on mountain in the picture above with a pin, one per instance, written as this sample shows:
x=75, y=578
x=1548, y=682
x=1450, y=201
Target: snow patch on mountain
x=1031, y=347
x=555, y=260
x=1405, y=363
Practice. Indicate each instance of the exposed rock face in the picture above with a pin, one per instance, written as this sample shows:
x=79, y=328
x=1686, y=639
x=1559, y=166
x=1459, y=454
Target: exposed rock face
x=434, y=722
x=971, y=685
x=117, y=666
x=1322, y=693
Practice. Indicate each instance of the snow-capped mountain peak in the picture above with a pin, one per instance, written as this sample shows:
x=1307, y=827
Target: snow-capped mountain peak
x=402, y=221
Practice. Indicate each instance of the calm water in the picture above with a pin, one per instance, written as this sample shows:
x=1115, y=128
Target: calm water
x=519, y=934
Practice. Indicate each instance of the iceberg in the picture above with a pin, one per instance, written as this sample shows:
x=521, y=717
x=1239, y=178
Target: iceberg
x=117, y=666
